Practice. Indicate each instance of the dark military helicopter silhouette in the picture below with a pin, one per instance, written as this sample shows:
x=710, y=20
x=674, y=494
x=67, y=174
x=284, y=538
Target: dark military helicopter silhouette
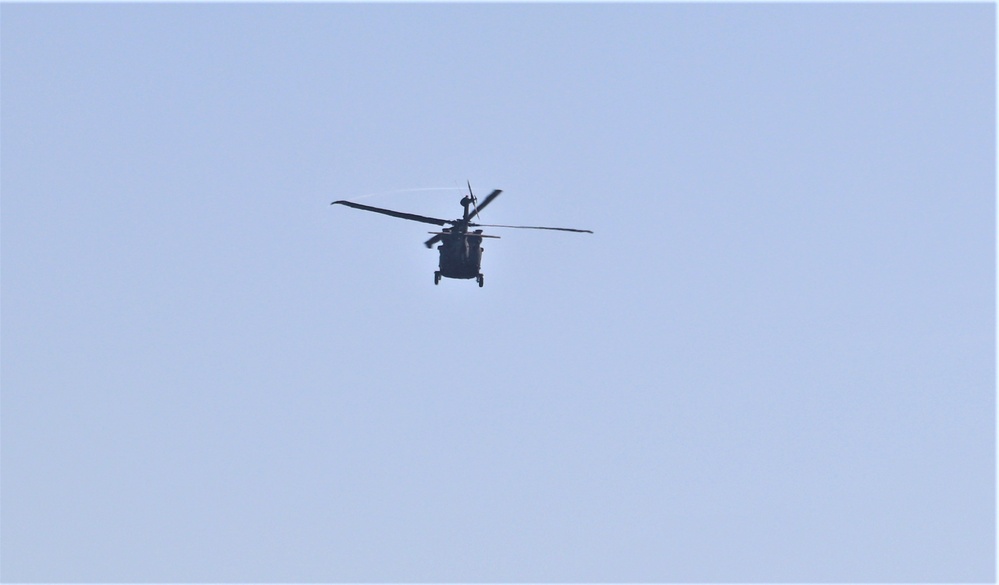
x=460, y=249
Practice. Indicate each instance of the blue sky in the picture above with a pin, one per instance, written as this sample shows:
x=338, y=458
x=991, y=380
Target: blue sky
x=774, y=360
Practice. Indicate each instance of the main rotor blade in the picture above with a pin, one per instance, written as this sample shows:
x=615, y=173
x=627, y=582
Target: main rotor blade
x=399, y=214
x=489, y=198
x=530, y=227
x=430, y=243
x=475, y=234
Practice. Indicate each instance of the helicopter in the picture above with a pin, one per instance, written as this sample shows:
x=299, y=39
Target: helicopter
x=460, y=249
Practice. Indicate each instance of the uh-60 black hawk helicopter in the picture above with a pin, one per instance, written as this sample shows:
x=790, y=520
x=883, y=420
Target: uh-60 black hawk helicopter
x=460, y=249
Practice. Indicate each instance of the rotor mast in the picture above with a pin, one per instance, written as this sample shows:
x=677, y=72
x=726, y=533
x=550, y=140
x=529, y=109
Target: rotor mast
x=466, y=201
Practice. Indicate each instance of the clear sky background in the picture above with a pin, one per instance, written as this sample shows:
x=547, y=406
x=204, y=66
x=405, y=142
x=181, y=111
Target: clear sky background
x=774, y=360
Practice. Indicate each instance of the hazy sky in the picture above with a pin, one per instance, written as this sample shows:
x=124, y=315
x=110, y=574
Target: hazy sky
x=773, y=360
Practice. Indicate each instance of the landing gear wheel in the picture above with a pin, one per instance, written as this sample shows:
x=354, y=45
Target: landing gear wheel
x=437, y=277
x=481, y=280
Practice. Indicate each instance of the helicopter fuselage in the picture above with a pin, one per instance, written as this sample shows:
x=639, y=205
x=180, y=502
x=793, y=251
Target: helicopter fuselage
x=460, y=256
